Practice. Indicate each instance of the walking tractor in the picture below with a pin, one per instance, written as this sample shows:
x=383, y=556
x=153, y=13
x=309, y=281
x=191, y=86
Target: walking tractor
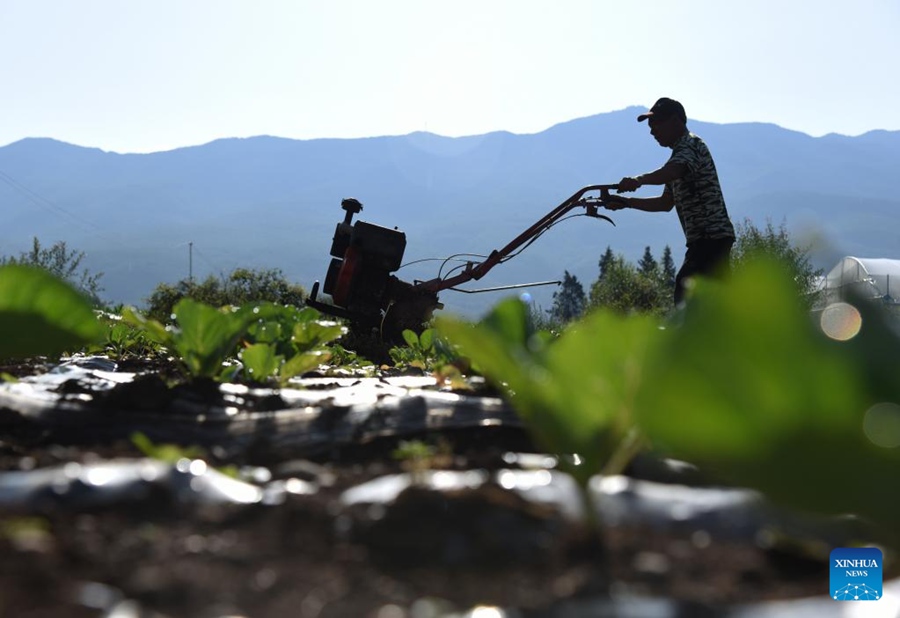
x=365, y=256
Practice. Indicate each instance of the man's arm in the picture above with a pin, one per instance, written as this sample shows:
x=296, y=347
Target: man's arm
x=661, y=203
x=664, y=175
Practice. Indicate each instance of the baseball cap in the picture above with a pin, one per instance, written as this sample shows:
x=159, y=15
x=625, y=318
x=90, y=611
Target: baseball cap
x=663, y=109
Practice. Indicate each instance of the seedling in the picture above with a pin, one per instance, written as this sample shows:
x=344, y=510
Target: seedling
x=173, y=453
x=260, y=361
x=417, y=457
x=287, y=343
x=204, y=337
x=575, y=393
x=426, y=351
x=342, y=357
x=417, y=352
x=166, y=453
x=123, y=340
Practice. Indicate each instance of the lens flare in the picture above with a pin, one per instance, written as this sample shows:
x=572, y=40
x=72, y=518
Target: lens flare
x=881, y=425
x=841, y=321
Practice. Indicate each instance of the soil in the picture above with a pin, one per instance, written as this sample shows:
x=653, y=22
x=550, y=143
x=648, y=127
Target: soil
x=430, y=553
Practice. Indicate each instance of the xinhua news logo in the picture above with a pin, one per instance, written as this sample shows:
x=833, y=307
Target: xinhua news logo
x=856, y=574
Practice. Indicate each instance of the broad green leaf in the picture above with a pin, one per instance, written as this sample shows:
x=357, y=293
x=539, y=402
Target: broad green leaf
x=426, y=339
x=311, y=334
x=411, y=338
x=596, y=369
x=206, y=336
x=266, y=331
x=496, y=346
x=274, y=324
x=301, y=363
x=156, y=331
x=511, y=320
x=260, y=361
x=575, y=395
x=42, y=315
x=751, y=391
x=306, y=314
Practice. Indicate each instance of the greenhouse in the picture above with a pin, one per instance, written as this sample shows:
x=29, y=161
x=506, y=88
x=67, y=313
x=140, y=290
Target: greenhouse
x=876, y=278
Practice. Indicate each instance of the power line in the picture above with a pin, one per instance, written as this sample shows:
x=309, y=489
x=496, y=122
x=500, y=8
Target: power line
x=43, y=202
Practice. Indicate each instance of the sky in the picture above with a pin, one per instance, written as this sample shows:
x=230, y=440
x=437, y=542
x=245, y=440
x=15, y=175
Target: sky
x=152, y=75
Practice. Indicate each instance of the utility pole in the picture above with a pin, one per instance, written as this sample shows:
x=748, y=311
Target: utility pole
x=191, y=263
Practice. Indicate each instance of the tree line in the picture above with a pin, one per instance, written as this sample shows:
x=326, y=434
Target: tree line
x=621, y=286
x=648, y=286
x=242, y=285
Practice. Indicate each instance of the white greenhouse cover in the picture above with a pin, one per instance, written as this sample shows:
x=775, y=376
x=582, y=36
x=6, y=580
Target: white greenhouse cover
x=877, y=277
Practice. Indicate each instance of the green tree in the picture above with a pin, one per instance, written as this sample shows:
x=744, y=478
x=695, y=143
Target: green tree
x=61, y=262
x=242, y=286
x=668, y=269
x=648, y=266
x=624, y=289
x=752, y=242
x=606, y=260
x=245, y=285
x=569, y=301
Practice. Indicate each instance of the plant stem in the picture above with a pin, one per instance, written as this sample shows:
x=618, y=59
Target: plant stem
x=632, y=444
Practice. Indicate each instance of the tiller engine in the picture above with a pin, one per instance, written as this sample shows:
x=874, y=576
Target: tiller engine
x=365, y=292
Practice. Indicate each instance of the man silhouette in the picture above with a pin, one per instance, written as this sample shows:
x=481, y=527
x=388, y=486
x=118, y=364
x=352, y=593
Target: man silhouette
x=691, y=187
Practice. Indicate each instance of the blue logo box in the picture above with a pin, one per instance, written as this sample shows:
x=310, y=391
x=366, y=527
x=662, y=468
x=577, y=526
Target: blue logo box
x=856, y=574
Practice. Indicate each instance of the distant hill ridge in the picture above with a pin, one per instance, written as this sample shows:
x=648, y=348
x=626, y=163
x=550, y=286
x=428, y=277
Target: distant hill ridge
x=270, y=202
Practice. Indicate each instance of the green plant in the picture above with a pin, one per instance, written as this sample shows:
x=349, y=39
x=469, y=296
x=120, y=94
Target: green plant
x=287, y=342
x=276, y=340
x=26, y=532
x=625, y=288
x=417, y=351
x=123, y=340
x=414, y=455
x=260, y=361
x=770, y=243
x=167, y=453
x=60, y=262
x=307, y=351
x=569, y=301
x=342, y=357
x=40, y=314
x=744, y=384
x=574, y=393
x=417, y=456
x=174, y=453
x=241, y=287
x=426, y=351
x=756, y=393
x=203, y=336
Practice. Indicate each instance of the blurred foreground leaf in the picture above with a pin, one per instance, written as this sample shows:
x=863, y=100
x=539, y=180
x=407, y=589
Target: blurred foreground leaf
x=42, y=315
x=575, y=394
x=751, y=390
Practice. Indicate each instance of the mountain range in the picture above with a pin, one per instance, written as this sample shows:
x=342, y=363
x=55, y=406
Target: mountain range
x=270, y=202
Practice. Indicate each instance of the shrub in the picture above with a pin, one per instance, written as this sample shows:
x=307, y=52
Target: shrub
x=241, y=287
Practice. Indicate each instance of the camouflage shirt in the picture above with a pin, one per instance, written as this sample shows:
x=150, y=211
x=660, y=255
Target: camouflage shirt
x=698, y=196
